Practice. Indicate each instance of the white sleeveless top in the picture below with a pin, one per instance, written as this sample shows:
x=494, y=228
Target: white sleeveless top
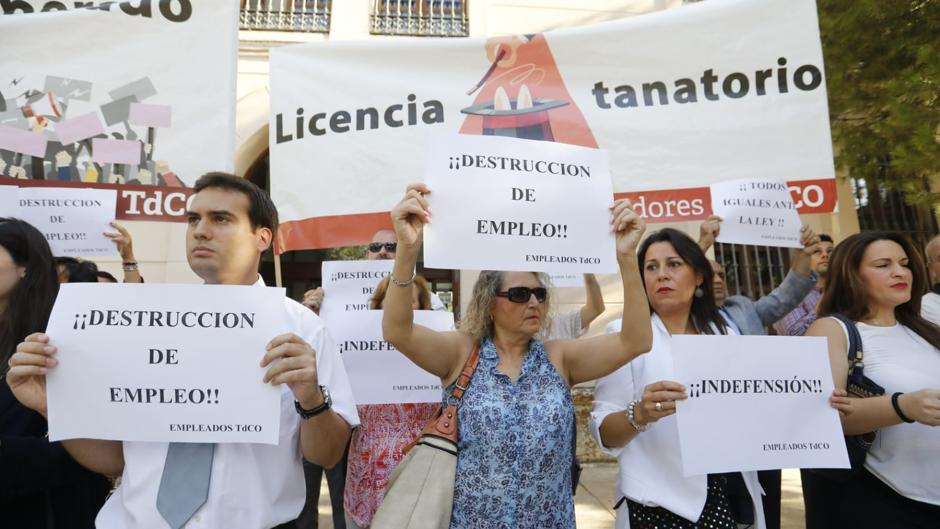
x=906, y=457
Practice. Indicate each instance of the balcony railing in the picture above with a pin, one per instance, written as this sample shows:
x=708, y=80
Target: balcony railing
x=425, y=18
x=306, y=16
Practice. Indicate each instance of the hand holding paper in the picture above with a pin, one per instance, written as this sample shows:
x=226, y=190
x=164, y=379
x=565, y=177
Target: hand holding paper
x=659, y=401
x=410, y=215
x=801, y=258
x=27, y=374
x=290, y=360
x=629, y=227
x=708, y=232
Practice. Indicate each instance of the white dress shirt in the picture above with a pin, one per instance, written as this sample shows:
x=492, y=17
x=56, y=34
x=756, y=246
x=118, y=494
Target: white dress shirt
x=930, y=307
x=651, y=463
x=252, y=486
x=566, y=326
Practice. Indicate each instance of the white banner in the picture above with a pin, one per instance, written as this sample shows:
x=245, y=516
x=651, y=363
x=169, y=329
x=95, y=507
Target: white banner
x=9, y=201
x=378, y=373
x=756, y=403
x=72, y=220
x=756, y=212
x=511, y=204
x=681, y=99
x=164, y=363
x=117, y=94
x=348, y=285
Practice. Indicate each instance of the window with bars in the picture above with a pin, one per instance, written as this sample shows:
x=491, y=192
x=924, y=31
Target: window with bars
x=425, y=18
x=752, y=271
x=882, y=208
x=306, y=16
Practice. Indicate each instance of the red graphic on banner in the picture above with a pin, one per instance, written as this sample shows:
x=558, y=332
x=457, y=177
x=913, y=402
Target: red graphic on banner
x=522, y=95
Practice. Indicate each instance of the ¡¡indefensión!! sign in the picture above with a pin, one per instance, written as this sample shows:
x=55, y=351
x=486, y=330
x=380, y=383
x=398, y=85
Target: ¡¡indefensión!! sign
x=756, y=403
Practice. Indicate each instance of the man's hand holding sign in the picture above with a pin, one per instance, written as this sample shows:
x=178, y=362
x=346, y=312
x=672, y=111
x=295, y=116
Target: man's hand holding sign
x=292, y=361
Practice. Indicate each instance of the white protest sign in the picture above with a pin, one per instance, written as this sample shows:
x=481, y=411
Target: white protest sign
x=509, y=204
x=756, y=403
x=378, y=373
x=348, y=285
x=756, y=212
x=9, y=201
x=73, y=220
x=164, y=363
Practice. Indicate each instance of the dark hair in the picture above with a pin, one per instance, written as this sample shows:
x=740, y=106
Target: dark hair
x=82, y=271
x=261, y=210
x=31, y=301
x=107, y=276
x=824, y=237
x=845, y=292
x=704, y=311
x=424, y=293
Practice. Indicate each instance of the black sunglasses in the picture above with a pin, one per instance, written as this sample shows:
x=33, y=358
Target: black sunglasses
x=522, y=294
x=376, y=247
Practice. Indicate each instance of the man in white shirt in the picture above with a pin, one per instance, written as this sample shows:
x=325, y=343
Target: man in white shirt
x=252, y=486
x=570, y=325
x=930, y=303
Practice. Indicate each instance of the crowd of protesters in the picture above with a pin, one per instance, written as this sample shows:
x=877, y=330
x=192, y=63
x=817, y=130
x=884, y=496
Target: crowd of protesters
x=515, y=439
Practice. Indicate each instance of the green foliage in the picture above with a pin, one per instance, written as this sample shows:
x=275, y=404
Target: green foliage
x=883, y=76
x=346, y=253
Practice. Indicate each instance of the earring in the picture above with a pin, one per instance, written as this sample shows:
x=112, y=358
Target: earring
x=699, y=292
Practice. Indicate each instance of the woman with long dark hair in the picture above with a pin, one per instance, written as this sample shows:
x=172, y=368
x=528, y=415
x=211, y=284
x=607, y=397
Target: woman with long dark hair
x=40, y=484
x=877, y=280
x=633, y=416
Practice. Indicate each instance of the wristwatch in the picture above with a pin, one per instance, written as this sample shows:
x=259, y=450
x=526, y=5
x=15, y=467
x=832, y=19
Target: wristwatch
x=313, y=412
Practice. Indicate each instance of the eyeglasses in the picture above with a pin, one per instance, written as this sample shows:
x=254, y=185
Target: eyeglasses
x=522, y=294
x=376, y=247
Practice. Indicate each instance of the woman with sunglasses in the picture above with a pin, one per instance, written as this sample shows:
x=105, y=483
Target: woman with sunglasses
x=514, y=422
x=633, y=417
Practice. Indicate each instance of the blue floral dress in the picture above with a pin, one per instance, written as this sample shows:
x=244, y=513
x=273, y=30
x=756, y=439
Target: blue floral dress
x=514, y=458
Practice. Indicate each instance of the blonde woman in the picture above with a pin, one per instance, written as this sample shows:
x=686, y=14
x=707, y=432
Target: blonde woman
x=514, y=422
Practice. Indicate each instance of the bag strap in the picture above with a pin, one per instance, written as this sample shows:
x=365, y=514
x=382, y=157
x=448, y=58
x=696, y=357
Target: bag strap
x=855, y=352
x=445, y=424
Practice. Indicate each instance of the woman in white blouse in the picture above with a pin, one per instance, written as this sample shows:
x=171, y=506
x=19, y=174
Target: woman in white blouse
x=633, y=417
x=877, y=279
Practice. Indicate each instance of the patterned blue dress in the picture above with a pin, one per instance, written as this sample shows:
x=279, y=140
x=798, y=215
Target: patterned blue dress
x=514, y=458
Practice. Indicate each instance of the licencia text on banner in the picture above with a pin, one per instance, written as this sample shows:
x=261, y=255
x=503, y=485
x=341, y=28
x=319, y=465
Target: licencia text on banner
x=164, y=363
x=72, y=220
x=757, y=211
x=348, y=285
x=378, y=373
x=510, y=204
x=771, y=391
